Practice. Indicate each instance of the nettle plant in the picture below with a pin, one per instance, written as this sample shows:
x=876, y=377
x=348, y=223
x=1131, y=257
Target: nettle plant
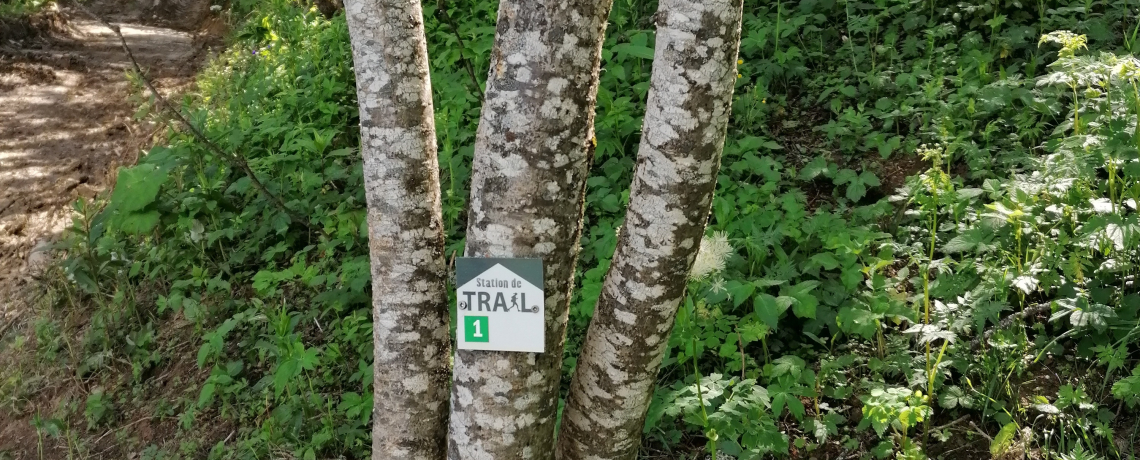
x=1084, y=200
x=1061, y=236
x=898, y=410
x=188, y=237
x=819, y=277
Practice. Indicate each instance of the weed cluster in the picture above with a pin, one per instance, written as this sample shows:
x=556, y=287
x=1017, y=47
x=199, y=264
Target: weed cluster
x=926, y=220
x=18, y=8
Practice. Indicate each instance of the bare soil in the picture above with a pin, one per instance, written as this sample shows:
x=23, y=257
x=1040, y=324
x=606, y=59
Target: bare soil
x=66, y=119
x=67, y=122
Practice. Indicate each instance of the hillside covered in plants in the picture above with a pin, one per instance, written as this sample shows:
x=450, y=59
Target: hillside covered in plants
x=926, y=214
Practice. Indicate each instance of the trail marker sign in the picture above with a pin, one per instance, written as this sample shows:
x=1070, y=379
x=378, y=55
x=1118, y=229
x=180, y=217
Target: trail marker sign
x=500, y=304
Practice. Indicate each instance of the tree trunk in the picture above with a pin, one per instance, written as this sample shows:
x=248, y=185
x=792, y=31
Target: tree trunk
x=532, y=150
x=690, y=100
x=405, y=229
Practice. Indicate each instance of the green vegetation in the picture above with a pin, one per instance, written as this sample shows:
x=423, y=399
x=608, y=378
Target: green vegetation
x=17, y=8
x=932, y=209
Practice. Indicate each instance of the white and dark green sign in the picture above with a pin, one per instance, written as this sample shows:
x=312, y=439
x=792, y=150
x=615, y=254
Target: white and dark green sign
x=500, y=304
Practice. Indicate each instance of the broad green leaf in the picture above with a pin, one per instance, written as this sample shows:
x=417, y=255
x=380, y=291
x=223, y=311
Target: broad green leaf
x=856, y=191
x=138, y=223
x=953, y=397
x=1003, y=440
x=883, y=449
x=805, y=303
x=764, y=282
x=788, y=365
x=1128, y=389
x=204, y=353
x=779, y=399
x=768, y=310
x=284, y=373
x=1092, y=315
x=805, y=307
x=815, y=168
x=1026, y=283
x=885, y=149
x=795, y=407
x=826, y=260
x=987, y=312
x=137, y=187
x=969, y=193
x=858, y=321
x=207, y=395
x=785, y=302
x=851, y=276
x=973, y=239
x=638, y=51
x=740, y=292
x=802, y=288
x=869, y=178
x=1115, y=234
x=845, y=176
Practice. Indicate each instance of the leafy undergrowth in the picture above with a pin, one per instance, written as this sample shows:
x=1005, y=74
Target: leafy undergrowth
x=931, y=209
x=17, y=8
x=25, y=19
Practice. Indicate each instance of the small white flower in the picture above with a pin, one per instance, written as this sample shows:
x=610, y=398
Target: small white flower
x=196, y=230
x=717, y=286
x=711, y=256
x=216, y=8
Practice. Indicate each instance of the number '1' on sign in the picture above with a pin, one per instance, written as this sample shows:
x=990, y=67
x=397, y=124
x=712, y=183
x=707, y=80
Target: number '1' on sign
x=500, y=304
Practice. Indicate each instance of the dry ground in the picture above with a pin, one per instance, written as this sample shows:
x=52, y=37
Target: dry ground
x=67, y=121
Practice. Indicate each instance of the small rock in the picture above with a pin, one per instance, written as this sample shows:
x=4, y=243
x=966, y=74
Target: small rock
x=39, y=257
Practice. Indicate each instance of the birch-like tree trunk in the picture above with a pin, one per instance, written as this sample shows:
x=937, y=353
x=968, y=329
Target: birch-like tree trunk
x=690, y=101
x=405, y=229
x=532, y=150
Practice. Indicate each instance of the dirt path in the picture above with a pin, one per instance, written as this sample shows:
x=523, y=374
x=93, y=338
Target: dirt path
x=66, y=123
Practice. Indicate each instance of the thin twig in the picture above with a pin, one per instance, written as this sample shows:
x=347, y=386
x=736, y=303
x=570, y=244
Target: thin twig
x=136, y=422
x=236, y=159
x=441, y=7
x=6, y=206
x=740, y=340
x=955, y=422
x=9, y=324
x=982, y=433
x=947, y=453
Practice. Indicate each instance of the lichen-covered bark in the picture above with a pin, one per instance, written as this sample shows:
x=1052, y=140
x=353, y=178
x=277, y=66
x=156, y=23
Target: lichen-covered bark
x=690, y=99
x=401, y=177
x=532, y=150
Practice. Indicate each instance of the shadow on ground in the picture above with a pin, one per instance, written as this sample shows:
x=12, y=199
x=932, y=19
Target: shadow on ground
x=66, y=123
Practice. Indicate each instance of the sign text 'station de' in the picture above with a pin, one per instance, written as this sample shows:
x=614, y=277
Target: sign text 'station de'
x=500, y=304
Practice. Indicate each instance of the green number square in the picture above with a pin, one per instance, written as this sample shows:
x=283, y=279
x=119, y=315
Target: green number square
x=475, y=329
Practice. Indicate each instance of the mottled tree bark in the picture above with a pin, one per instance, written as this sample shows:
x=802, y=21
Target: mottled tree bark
x=690, y=100
x=405, y=228
x=532, y=150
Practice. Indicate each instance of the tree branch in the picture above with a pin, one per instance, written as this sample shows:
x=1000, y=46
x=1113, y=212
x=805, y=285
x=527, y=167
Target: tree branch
x=234, y=158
